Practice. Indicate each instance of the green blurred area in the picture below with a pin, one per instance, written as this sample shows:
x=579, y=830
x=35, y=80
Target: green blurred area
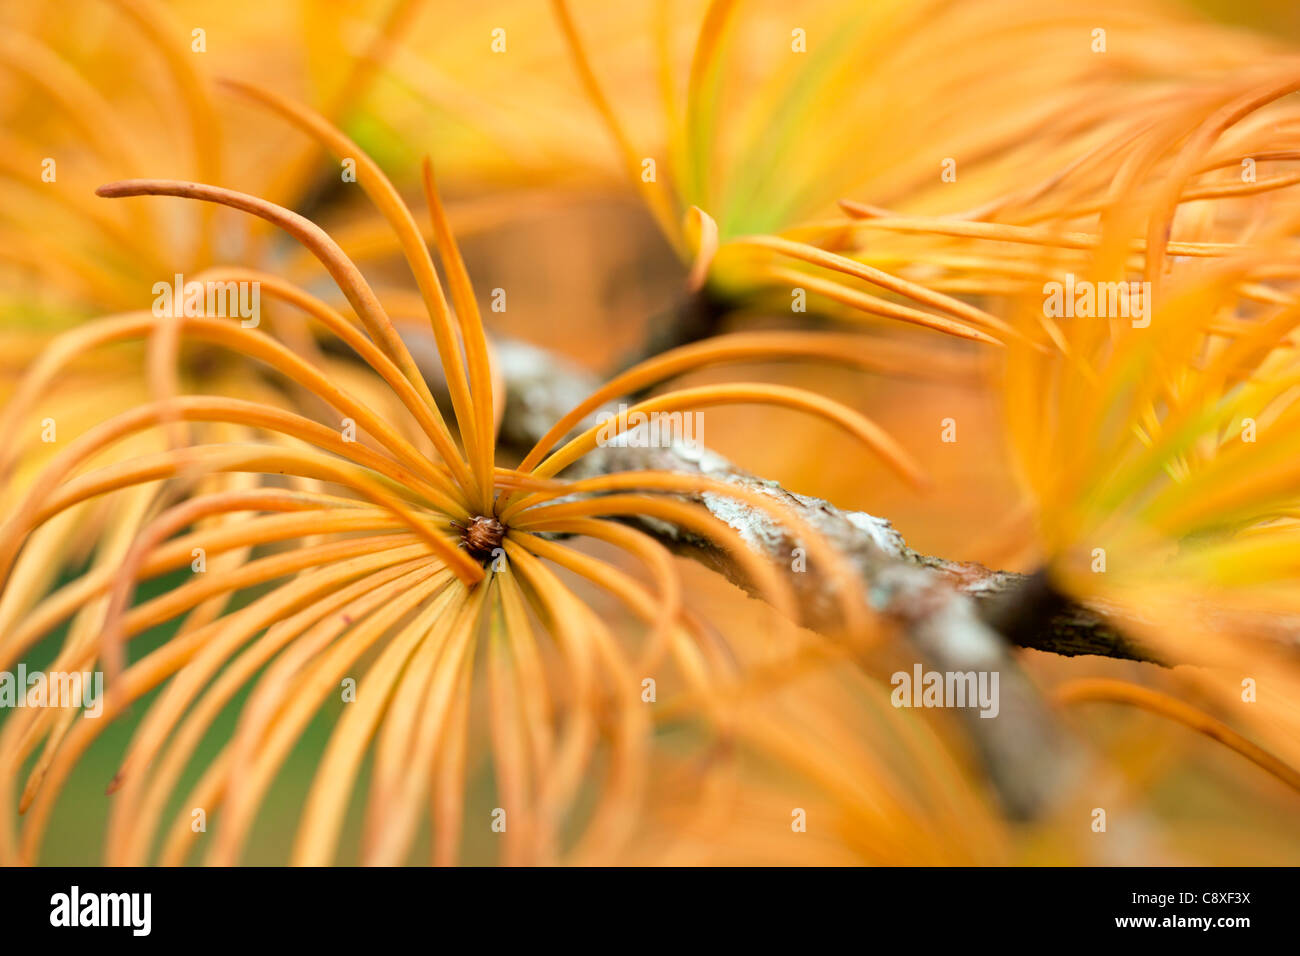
x=75, y=836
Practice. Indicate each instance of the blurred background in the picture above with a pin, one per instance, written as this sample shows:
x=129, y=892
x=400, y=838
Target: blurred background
x=535, y=190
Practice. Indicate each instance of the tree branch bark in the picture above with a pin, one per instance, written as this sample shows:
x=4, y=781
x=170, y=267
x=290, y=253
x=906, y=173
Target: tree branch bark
x=541, y=387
